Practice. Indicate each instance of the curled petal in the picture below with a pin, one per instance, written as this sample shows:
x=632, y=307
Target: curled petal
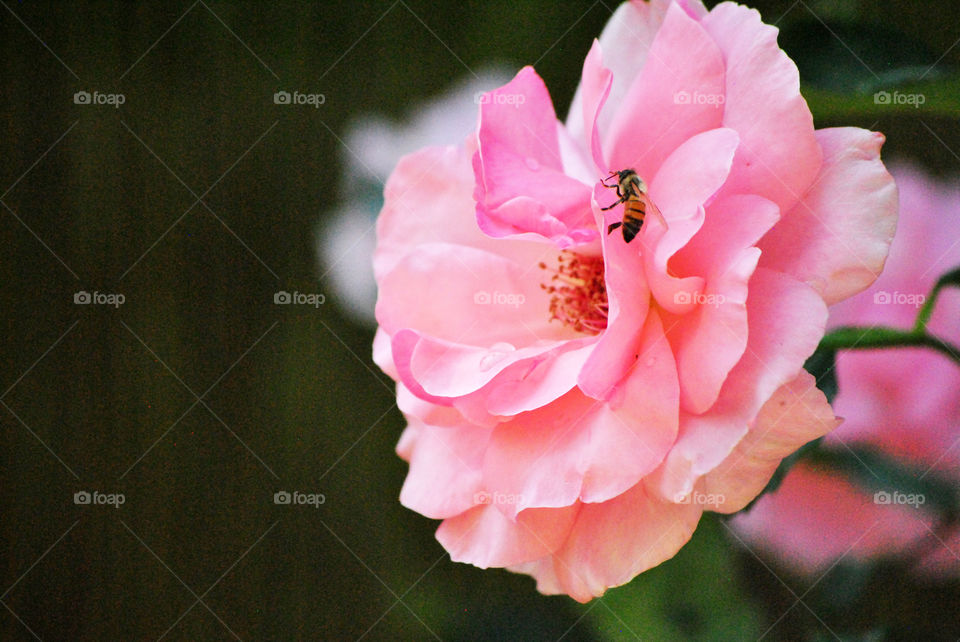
x=612, y=542
x=527, y=389
x=595, y=84
x=628, y=301
x=444, y=476
x=578, y=448
x=797, y=412
x=686, y=182
x=521, y=186
x=631, y=28
x=837, y=238
x=485, y=537
x=711, y=339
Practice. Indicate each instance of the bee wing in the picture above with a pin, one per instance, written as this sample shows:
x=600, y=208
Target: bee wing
x=653, y=209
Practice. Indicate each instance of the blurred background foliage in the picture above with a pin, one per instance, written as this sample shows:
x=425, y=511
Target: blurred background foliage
x=199, y=398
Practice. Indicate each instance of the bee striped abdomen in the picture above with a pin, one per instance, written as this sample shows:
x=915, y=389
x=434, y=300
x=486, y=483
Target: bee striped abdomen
x=634, y=212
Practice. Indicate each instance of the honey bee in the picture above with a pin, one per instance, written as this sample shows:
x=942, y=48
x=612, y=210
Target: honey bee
x=633, y=193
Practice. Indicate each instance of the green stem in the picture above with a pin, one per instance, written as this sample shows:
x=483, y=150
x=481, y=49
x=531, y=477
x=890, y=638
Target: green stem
x=861, y=338
x=950, y=278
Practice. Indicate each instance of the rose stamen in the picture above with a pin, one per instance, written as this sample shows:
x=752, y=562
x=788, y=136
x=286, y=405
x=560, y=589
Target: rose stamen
x=578, y=295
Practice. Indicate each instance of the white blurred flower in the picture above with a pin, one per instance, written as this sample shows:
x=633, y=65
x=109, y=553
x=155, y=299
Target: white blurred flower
x=346, y=237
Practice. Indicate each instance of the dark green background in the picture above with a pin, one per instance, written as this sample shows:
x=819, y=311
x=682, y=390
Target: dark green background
x=290, y=399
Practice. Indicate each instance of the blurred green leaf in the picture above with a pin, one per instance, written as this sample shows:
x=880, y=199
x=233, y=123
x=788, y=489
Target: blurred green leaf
x=850, y=70
x=847, y=56
x=822, y=364
x=936, y=98
x=876, y=471
x=697, y=595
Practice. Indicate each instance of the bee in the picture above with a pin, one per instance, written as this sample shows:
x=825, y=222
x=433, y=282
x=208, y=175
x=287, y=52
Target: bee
x=633, y=193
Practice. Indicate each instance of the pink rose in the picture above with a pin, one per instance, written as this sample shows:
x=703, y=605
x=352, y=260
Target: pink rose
x=575, y=402
x=905, y=402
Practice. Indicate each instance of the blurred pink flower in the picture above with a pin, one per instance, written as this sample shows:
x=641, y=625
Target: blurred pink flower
x=575, y=402
x=904, y=402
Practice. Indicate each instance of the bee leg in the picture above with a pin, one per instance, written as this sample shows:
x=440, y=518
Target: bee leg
x=604, y=209
x=614, y=226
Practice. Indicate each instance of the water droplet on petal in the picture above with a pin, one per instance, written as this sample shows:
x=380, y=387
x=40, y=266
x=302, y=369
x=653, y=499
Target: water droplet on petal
x=533, y=164
x=651, y=362
x=489, y=360
x=495, y=355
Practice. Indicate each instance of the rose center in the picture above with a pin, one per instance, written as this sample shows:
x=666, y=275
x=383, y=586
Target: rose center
x=578, y=296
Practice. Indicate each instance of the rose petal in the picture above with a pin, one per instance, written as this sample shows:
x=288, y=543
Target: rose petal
x=579, y=448
x=631, y=28
x=778, y=157
x=427, y=199
x=612, y=542
x=640, y=420
x=542, y=571
x=710, y=340
x=485, y=537
x=466, y=296
x=438, y=371
x=444, y=476
x=837, y=238
x=383, y=354
x=686, y=182
x=536, y=457
x=628, y=300
x=595, y=83
x=521, y=187
x=653, y=119
x=428, y=413
x=786, y=320
x=531, y=388
x=797, y=412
